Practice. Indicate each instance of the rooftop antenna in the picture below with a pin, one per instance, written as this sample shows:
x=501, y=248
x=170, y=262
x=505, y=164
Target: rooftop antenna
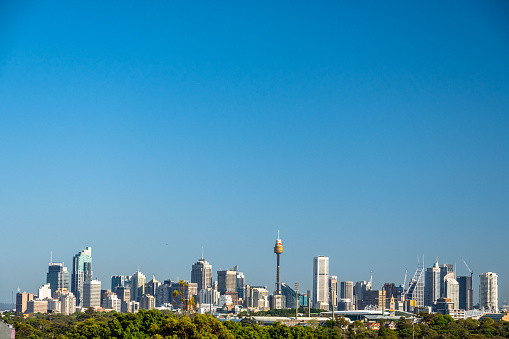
x=277, y=234
x=51, y=257
x=202, y=253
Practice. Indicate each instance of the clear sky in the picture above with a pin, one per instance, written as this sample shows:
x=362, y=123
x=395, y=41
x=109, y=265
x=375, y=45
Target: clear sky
x=370, y=132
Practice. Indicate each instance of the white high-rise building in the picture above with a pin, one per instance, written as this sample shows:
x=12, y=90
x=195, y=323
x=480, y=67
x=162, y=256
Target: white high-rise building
x=44, y=292
x=92, y=293
x=137, y=286
x=452, y=291
x=488, y=290
x=321, y=282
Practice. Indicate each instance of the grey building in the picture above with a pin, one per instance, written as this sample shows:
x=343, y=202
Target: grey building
x=226, y=281
x=466, y=293
x=321, y=282
x=446, y=271
x=57, y=276
x=201, y=274
x=432, y=283
x=81, y=272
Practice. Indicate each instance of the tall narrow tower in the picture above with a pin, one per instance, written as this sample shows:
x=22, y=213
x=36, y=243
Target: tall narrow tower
x=278, y=249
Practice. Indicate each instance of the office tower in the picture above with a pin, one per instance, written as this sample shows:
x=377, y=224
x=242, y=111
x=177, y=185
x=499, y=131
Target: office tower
x=44, y=292
x=446, y=271
x=120, y=281
x=137, y=286
x=432, y=284
x=416, y=288
x=57, y=276
x=226, y=281
x=488, y=290
x=452, y=291
x=92, y=293
x=333, y=292
x=278, y=250
x=201, y=274
x=360, y=288
x=390, y=291
x=466, y=293
x=321, y=282
x=22, y=300
x=113, y=302
x=124, y=294
x=67, y=303
x=346, y=295
x=289, y=294
x=151, y=286
x=81, y=272
x=239, y=284
x=147, y=302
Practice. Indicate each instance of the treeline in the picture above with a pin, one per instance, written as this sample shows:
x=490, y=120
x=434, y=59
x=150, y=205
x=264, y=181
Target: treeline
x=156, y=324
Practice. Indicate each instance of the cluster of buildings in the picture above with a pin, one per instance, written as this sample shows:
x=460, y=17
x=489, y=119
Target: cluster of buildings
x=435, y=289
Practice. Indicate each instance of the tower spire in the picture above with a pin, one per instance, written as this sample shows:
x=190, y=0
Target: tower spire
x=202, y=253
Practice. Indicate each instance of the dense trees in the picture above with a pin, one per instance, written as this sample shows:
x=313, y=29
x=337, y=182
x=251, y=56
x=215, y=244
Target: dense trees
x=158, y=325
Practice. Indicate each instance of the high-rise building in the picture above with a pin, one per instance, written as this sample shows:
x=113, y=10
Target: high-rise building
x=201, y=274
x=432, y=283
x=226, y=281
x=289, y=294
x=120, y=281
x=390, y=291
x=124, y=294
x=446, y=271
x=466, y=293
x=416, y=288
x=67, y=303
x=321, y=282
x=346, y=294
x=239, y=283
x=44, y=292
x=333, y=292
x=81, y=272
x=57, y=276
x=278, y=250
x=488, y=290
x=137, y=286
x=22, y=300
x=92, y=293
x=452, y=291
x=360, y=289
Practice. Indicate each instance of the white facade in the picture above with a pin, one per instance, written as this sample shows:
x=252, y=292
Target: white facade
x=452, y=291
x=44, y=292
x=54, y=305
x=488, y=290
x=92, y=293
x=67, y=303
x=205, y=294
x=321, y=282
x=113, y=302
x=225, y=300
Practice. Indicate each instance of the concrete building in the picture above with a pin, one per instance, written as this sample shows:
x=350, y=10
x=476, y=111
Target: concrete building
x=333, y=292
x=22, y=300
x=321, y=282
x=44, y=292
x=488, y=290
x=432, y=283
x=91, y=293
x=390, y=292
x=113, y=302
x=137, y=286
x=37, y=306
x=151, y=286
x=201, y=274
x=124, y=295
x=7, y=331
x=360, y=288
x=452, y=291
x=466, y=293
x=67, y=303
x=120, y=281
x=147, y=302
x=446, y=271
x=81, y=272
x=57, y=276
x=134, y=306
x=239, y=283
x=289, y=294
x=208, y=296
x=346, y=293
x=226, y=281
x=257, y=297
x=54, y=305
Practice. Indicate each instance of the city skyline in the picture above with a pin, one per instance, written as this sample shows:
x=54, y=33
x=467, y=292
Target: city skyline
x=367, y=134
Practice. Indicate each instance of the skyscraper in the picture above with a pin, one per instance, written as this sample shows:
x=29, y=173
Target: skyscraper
x=57, y=276
x=321, y=282
x=466, y=293
x=452, y=291
x=416, y=287
x=347, y=290
x=488, y=290
x=201, y=274
x=137, y=286
x=446, y=271
x=81, y=272
x=432, y=284
x=333, y=292
x=226, y=281
x=92, y=293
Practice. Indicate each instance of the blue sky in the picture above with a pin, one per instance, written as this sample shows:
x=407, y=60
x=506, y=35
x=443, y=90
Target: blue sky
x=369, y=132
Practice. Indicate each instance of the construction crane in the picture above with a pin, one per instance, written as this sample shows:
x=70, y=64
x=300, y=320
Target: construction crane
x=468, y=268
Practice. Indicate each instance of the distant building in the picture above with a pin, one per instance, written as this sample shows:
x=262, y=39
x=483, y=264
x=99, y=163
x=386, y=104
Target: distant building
x=113, y=302
x=432, y=285
x=151, y=286
x=124, y=295
x=201, y=274
x=67, y=303
x=44, y=292
x=147, y=302
x=446, y=271
x=257, y=297
x=239, y=283
x=120, y=281
x=81, y=272
x=374, y=298
x=488, y=290
x=321, y=282
x=37, y=306
x=289, y=294
x=416, y=289
x=346, y=292
x=21, y=301
x=208, y=296
x=452, y=291
x=333, y=292
x=57, y=276
x=390, y=291
x=137, y=286
x=361, y=287
x=91, y=293
x=466, y=293
x=226, y=281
